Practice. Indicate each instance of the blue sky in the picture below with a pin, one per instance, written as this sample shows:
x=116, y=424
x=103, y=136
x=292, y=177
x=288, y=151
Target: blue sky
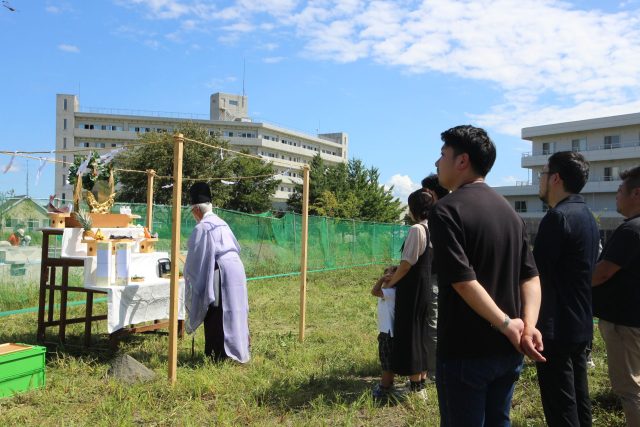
x=392, y=74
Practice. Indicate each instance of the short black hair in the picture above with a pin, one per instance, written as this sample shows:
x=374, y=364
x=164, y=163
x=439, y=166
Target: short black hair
x=631, y=178
x=475, y=142
x=420, y=203
x=431, y=183
x=573, y=169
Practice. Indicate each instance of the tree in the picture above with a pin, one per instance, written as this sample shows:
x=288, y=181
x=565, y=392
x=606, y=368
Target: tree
x=251, y=195
x=347, y=191
x=156, y=153
x=199, y=162
x=96, y=171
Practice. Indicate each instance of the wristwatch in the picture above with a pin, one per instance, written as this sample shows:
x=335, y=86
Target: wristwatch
x=505, y=323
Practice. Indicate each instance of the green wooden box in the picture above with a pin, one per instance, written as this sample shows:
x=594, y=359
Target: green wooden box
x=21, y=368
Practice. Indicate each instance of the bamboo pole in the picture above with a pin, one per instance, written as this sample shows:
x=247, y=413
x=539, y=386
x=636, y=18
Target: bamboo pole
x=303, y=252
x=178, y=142
x=150, y=176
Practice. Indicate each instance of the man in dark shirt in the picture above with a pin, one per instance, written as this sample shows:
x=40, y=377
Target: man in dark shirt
x=489, y=289
x=566, y=250
x=616, y=298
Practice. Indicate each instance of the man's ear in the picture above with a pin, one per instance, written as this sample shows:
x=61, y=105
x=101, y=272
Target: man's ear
x=462, y=161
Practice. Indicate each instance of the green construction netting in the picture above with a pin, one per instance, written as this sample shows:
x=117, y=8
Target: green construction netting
x=271, y=245
x=270, y=242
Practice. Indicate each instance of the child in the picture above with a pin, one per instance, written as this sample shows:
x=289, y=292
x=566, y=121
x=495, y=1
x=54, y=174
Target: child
x=386, y=313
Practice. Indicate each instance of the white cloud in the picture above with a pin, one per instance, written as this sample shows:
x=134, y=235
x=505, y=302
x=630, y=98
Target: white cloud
x=270, y=46
x=58, y=6
x=273, y=59
x=403, y=185
x=153, y=44
x=551, y=60
x=160, y=9
x=69, y=48
x=219, y=82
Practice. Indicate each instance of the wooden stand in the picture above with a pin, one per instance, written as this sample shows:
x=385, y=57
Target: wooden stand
x=58, y=220
x=92, y=245
x=49, y=288
x=148, y=245
x=98, y=220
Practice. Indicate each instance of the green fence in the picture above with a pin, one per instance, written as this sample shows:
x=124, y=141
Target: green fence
x=270, y=246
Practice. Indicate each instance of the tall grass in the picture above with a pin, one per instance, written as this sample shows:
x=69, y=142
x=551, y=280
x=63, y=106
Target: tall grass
x=324, y=381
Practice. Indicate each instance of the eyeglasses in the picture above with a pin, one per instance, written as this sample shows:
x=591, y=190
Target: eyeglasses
x=544, y=173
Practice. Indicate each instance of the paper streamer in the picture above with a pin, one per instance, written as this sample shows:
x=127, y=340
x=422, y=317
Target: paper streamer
x=43, y=163
x=6, y=169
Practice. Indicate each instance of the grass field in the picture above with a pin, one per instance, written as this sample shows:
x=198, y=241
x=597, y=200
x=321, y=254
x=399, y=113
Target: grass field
x=324, y=381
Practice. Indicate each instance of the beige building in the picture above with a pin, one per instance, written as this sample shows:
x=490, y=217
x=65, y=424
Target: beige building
x=107, y=129
x=610, y=144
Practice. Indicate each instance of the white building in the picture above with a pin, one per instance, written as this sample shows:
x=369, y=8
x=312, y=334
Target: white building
x=106, y=129
x=610, y=144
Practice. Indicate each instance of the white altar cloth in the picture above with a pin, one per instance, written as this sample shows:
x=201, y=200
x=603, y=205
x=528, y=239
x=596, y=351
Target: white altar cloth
x=139, y=302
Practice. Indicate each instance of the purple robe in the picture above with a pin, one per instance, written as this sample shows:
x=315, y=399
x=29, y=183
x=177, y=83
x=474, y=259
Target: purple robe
x=213, y=241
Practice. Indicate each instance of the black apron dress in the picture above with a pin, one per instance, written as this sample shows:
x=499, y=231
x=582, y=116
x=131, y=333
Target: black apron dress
x=409, y=329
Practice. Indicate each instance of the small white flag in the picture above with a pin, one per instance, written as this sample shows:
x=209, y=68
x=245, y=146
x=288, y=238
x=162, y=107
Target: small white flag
x=6, y=169
x=43, y=163
x=168, y=185
x=108, y=157
x=83, y=166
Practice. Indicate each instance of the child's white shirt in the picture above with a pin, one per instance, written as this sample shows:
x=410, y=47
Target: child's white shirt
x=386, y=310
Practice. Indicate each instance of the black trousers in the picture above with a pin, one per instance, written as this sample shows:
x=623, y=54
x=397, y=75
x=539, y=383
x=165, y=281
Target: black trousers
x=563, y=384
x=214, y=333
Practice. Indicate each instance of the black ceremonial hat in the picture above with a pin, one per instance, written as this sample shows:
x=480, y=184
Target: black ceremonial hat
x=200, y=193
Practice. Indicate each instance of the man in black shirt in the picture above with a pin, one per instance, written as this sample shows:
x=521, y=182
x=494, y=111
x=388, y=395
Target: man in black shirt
x=566, y=250
x=616, y=298
x=489, y=288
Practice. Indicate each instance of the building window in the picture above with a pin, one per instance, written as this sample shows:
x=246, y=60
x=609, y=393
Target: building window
x=114, y=145
x=64, y=124
x=100, y=144
x=63, y=197
x=612, y=141
x=521, y=205
x=233, y=102
x=611, y=173
x=85, y=144
x=64, y=159
x=64, y=104
x=546, y=148
x=64, y=143
x=579, y=144
x=64, y=179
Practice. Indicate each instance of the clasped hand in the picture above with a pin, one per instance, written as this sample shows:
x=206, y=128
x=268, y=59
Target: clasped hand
x=525, y=339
